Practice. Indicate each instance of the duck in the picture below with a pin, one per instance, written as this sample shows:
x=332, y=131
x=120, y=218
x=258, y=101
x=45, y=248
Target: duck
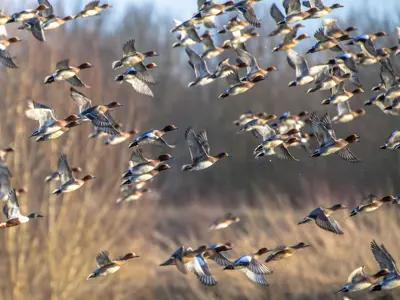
x=120, y=138
x=224, y=222
x=68, y=182
x=328, y=143
x=210, y=51
x=199, y=266
x=273, y=139
x=282, y=29
x=248, y=116
x=240, y=38
x=138, y=85
x=366, y=44
x=323, y=218
x=132, y=194
x=234, y=24
x=49, y=126
x=347, y=64
x=371, y=203
x=393, y=141
x=5, y=57
x=323, y=10
x=210, y=8
x=182, y=256
x=187, y=38
x=304, y=74
x=250, y=265
x=56, y=22
x=333, y=30
x=34, y=25
x=92, y=9
x=358, y=280
x=254, y=72
x=199, y=149
x=259, y=124
x=387, y=76
x=146, y=176
x=298, y=16
x=290, y=41
x=282, y=252
x=245, y=7
x=99, y=115
x=139, y=164
x=28, y=14
x=226, y=70
x=385, y=261
x=345, y=114
x=200, y=69
x=154, y=136
x=281, y=151
x=213, y=253
x=131, y=56
x=328, y=81
x=208, y=22
x=106, y=266
x=55, y=176
x=13, y=214
x=341, y=95
x=325, y=42
x=68, y=73
x=236, y=86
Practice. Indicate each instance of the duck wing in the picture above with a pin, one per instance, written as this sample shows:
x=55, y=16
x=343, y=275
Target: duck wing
x=64, y=170
x=62, y=64
x=208, y=43
x=40, y=112
x=356, y=276
x=328, y=223
x=383, y=257
x=47, y=13
x=250, y=15
x=100, y=121
x=103, y=258
x=36, y=29
x=320, y=36
x=276, y=13
x=368, y=200
x=343, y=108
x=297, y=62
x=199, y=65
x=346, y=154
x=6, y=59
x=11, y=207
x=129, y=48
x=248, y=59
x=320, y=127
x=203, y=141
x=197, y=152
x=143, y=73
x=283, y=153
x=201, y=269
x=91, y=5
x=5, y=175
x=256, y=278
x=76, y=81
x=137, y=157
x=258, y=268
x=140, y=86
x=220, y=259
x=291, y=6
x=80, y=99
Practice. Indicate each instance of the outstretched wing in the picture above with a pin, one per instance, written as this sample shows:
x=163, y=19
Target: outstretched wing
x=197, y=152
x=64, y=170
x=11, y=207
x=103, y=258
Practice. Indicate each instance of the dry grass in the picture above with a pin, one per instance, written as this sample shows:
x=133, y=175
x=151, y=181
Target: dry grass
x=51, y=257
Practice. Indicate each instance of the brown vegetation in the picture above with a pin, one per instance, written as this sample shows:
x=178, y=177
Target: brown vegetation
x=50, y=258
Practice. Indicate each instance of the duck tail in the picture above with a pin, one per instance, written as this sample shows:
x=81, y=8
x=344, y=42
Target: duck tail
x=49, y=79
x=176, y=45
x=57, y=192
x=375, y=288
x=224, y=95
x=326, y=102
x=116, y=64
x=126, y=182
x=312, y=90
x=133, y=144
x=258, y=149
x=187, y=168
x=3, y=225
x=119, y=78
x=229, y=267
x=47, y=179
x=126, y=174
x=91, y=275
x=312, y=50
x=345, y=289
